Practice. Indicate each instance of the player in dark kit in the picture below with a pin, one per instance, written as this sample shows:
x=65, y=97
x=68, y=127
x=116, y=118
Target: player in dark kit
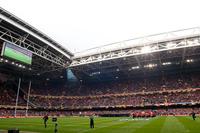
x=45, y=118
x=193, y=115
x=91, y=122
x=56, y=128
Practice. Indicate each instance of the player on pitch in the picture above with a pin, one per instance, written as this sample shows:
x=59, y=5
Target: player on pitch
x=45, y=118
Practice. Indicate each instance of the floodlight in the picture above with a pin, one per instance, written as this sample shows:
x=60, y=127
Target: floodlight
x=146, y=49
x=189, y=60
x=190, y=42
x=150, y=65
x=135, y=67
x=193, y=42
x=170, y=45
x=166, y=63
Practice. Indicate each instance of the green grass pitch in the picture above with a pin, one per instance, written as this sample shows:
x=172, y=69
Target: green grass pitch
x=170, y=124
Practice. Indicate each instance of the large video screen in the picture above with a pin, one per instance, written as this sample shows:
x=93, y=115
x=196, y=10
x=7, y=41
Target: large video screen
x=17, y=53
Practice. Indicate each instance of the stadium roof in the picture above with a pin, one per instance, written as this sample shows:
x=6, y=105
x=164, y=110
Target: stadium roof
x=170, y=52
x=33, y=31
x=122, y=59
x=49, y=59
x=141, y=41
x=127, y=48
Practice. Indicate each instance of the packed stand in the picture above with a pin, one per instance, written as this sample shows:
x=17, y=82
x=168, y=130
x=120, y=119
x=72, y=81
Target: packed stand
x=172, y=82
x=133, y=100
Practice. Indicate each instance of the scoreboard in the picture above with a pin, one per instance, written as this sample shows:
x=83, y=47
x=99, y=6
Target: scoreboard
x=14, y=52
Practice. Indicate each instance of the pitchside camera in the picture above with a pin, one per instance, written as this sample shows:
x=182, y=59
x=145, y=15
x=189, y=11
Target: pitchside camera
x=13, y=131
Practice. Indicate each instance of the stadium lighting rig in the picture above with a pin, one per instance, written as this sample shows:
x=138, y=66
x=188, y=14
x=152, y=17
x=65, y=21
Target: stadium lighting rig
x=150, y=65
x=170, y=45
x=95, y=73
x=189, y=60
x=135, y=67
x=146, y=49
x=14, y=63
x=145, y=45
x=166, y=63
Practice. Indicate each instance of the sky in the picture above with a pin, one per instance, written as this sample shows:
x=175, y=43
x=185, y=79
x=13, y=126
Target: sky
x=82, y=24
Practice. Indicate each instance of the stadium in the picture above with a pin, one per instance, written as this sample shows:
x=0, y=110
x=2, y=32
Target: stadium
x=143, y=85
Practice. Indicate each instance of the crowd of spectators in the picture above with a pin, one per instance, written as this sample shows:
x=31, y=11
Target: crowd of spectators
x=165, y=98
x=152, y=91
x=172, y=82
x=140, y=92
x=8, y=96
x=5, y=96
